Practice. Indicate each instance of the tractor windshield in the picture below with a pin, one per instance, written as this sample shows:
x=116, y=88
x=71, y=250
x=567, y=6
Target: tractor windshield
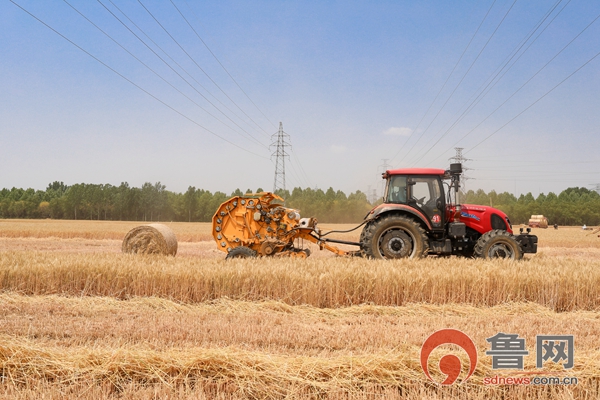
x=396, y=190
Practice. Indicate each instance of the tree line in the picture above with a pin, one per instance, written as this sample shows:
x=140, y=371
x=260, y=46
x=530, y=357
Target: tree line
x=573, y=206
x=153, y=202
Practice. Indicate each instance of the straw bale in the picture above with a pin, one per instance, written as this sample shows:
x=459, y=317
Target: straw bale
x=150, y=239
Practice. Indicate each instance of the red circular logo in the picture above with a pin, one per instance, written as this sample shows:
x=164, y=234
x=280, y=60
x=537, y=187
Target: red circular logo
x=436, y=219
x=449, y=364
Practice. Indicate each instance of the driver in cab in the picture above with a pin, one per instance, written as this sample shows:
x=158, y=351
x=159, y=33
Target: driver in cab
x=398, y=190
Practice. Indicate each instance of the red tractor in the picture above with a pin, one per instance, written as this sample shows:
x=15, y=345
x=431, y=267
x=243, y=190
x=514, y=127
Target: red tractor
x=418, y=217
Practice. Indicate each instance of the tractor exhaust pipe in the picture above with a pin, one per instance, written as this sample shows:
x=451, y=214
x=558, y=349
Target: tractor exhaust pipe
x=455, y=171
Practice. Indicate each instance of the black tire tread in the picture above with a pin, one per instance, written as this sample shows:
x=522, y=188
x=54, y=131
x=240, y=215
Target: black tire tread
x=496, y=235
x=241, y=252
x=367, y=236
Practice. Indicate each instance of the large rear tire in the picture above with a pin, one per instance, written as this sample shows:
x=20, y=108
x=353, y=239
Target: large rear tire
x=498, y=244
x=241, y=252
x=393, y=236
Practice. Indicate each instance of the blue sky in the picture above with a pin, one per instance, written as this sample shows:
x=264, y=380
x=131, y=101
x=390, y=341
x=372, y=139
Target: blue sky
x=354, y=84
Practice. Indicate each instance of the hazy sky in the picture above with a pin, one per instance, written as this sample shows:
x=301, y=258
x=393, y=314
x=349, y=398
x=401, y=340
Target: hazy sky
x=354, y=84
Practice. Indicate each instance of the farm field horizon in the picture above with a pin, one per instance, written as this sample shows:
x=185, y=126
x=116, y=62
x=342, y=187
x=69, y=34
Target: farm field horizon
x=80, y=319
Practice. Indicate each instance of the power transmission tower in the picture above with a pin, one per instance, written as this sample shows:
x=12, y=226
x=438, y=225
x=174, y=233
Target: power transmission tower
x=371, y=194
x=596, y=187
x=281, y=140
x=459, y=158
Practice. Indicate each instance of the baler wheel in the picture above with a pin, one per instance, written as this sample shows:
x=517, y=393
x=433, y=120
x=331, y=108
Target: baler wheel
x=241, y=252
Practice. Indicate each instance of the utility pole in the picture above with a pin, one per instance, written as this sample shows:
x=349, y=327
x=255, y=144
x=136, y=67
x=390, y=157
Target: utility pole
x=281, y=140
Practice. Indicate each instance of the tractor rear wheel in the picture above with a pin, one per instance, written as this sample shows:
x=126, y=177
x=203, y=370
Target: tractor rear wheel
x=241, y=252
x=393, y=236
x=498, y=243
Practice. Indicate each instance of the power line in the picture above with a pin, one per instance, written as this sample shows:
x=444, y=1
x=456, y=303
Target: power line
x=524, y=84
x=175, y=71
x=303, y=173
x=550, y=178
x=533, y=164
x=468, y=70
x=483, y=92
x=193, y=60
x=222, y=66
x=183, y=69
x=492, y=79
x=545, y=173
x=149, y=68
x=447, y=79
x=295, y=175
x=131, y=82
x=535, y=102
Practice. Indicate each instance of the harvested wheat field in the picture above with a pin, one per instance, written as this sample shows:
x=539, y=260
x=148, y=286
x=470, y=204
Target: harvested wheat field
x=82, y=320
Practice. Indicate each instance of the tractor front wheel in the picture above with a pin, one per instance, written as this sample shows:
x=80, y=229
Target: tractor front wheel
x=498, y=244
x=241, y=252
x=393, y=236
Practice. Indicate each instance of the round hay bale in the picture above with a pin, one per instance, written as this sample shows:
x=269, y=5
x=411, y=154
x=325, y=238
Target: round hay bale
x=150, y=239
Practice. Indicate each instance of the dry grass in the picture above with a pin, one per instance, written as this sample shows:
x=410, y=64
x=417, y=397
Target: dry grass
x=249, y=374
x=273, y=326
x=562, y=284
x=259, y=350
x=116, y=230
x=80, y=320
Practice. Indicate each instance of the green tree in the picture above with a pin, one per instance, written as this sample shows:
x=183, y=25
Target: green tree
x=191, y=202
x=74, y=200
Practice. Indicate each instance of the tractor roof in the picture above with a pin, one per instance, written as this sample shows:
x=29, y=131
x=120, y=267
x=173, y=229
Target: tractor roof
x=415, y=171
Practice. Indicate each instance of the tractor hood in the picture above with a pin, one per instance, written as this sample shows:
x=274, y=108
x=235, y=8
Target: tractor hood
x=484, y=218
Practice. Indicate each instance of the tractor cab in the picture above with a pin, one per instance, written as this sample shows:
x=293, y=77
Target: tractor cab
x=420, y=189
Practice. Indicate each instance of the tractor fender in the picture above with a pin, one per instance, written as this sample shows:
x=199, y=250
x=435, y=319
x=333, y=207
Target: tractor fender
x=386, y=208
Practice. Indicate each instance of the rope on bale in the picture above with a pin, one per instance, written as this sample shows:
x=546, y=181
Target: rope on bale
x=150, y=239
